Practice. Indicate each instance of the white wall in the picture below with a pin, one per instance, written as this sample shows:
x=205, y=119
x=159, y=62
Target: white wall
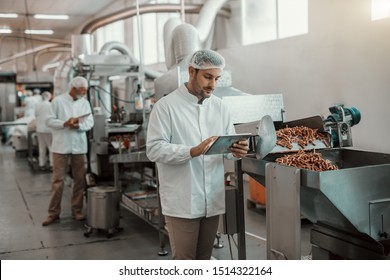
x=345, y=58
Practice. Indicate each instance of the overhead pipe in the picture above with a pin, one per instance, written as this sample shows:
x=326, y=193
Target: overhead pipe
x=55, y=43
x=140, y=43
x=207, y=15
x=182, y=11
x=34, y=38
x=48, y=50
x=28, y=52
x=143, y=9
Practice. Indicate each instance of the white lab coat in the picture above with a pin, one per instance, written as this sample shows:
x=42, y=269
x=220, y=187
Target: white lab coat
x=189, y=187
x=31, y=104
x=65, y=140
x=42, y=112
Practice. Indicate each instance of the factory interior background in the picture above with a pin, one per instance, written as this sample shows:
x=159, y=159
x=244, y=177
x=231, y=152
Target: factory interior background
x=314, y=54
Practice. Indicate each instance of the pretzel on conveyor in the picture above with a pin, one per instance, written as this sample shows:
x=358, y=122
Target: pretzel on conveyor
x=310, y=160
x=299, y=134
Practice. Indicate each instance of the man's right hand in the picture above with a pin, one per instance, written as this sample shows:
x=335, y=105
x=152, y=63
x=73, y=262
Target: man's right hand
x=202, y=147
x=72, y=123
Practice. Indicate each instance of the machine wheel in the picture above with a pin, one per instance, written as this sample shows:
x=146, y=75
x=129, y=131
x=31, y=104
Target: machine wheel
x=88, y=232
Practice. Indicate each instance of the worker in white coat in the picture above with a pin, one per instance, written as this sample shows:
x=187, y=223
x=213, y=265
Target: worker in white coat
x=32, y=100
x=70, y=118
x=42, y=111
x=181, y=127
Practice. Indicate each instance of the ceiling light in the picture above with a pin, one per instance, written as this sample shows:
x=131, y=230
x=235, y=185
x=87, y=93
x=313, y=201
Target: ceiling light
x=44, y=16
x=5, y=30
x=8, y=15
x=40, y=32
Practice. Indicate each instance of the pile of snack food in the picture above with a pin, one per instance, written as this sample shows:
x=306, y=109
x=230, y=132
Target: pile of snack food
x=307, y=160
x=303, y=136
x=300, y=134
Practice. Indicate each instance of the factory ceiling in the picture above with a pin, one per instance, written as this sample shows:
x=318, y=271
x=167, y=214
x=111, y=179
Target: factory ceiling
x=80, y=12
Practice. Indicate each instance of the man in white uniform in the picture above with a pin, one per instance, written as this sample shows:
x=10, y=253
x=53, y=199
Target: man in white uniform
x=181, y=127
x=69, y=142
x=32, y=100
x=43, y=131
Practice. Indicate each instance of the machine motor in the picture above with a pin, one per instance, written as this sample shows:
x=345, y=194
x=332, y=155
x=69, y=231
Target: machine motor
x=339, y=124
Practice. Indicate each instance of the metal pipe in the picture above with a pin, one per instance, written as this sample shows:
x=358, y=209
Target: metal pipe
x=143, y=9
x=207, y=15
x=182, y=11
x=35, y=38
x=28, y=52
x=140, y=45
x=48, y=50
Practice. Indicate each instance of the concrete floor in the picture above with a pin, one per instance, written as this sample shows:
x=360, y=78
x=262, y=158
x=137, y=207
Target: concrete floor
x=24, y=198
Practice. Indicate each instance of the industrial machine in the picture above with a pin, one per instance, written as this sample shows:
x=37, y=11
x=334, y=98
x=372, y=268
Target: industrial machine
x=349, y=207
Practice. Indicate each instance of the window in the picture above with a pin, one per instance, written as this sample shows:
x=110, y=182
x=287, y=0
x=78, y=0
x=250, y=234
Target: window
x=380, y=9
x=265, y=20
x=151, y=26
x=111, y=32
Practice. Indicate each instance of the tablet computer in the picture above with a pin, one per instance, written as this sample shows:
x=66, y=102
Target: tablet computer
x=83, y=116
x=223, y=143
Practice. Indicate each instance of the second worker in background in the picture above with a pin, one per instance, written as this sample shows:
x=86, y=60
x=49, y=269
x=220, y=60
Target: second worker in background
x=69, y=143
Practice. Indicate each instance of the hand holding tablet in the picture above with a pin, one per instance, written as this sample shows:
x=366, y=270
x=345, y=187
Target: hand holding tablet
x=223, y=144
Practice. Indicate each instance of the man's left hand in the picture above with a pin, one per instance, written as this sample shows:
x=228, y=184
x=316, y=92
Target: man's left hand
x=240, y=149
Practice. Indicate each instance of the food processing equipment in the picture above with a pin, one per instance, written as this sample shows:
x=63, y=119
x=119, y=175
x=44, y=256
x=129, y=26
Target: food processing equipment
x=349, y=207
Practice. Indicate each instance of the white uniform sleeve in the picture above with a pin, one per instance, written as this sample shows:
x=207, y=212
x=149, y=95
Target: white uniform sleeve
x=52, y=120
x=158, y=145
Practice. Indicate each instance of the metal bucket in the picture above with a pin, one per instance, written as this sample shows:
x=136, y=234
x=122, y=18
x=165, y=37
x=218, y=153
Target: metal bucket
x=103, y=207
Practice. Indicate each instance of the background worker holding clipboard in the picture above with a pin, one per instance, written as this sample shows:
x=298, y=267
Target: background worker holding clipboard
x=69, y=118
x=181, y=127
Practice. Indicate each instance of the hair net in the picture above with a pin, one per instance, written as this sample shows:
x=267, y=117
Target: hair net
x=79, y=82
x=207, y=59
x=46, y=95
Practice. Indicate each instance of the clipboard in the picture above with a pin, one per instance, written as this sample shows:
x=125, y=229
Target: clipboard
x=223, y=143
x=83, y=116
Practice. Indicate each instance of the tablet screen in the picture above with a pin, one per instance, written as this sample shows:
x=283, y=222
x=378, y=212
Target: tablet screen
x=223, y=143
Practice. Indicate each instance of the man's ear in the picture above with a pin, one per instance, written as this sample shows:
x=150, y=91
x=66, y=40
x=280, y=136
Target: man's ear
x=191, y=71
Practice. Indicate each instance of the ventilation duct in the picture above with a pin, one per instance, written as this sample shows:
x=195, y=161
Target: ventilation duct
x=185, y=41
x=207, y=16
x=81, y=45
x=169, y=26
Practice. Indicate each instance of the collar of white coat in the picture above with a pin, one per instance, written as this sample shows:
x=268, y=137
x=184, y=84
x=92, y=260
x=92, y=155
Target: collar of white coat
x=68, y=96
x=190, y=97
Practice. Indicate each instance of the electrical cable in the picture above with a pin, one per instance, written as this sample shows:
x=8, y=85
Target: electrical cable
x=230, y=247
x=235, y=242
x=104, y=106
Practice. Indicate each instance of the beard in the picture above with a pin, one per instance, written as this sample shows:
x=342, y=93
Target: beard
x=202, y=92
